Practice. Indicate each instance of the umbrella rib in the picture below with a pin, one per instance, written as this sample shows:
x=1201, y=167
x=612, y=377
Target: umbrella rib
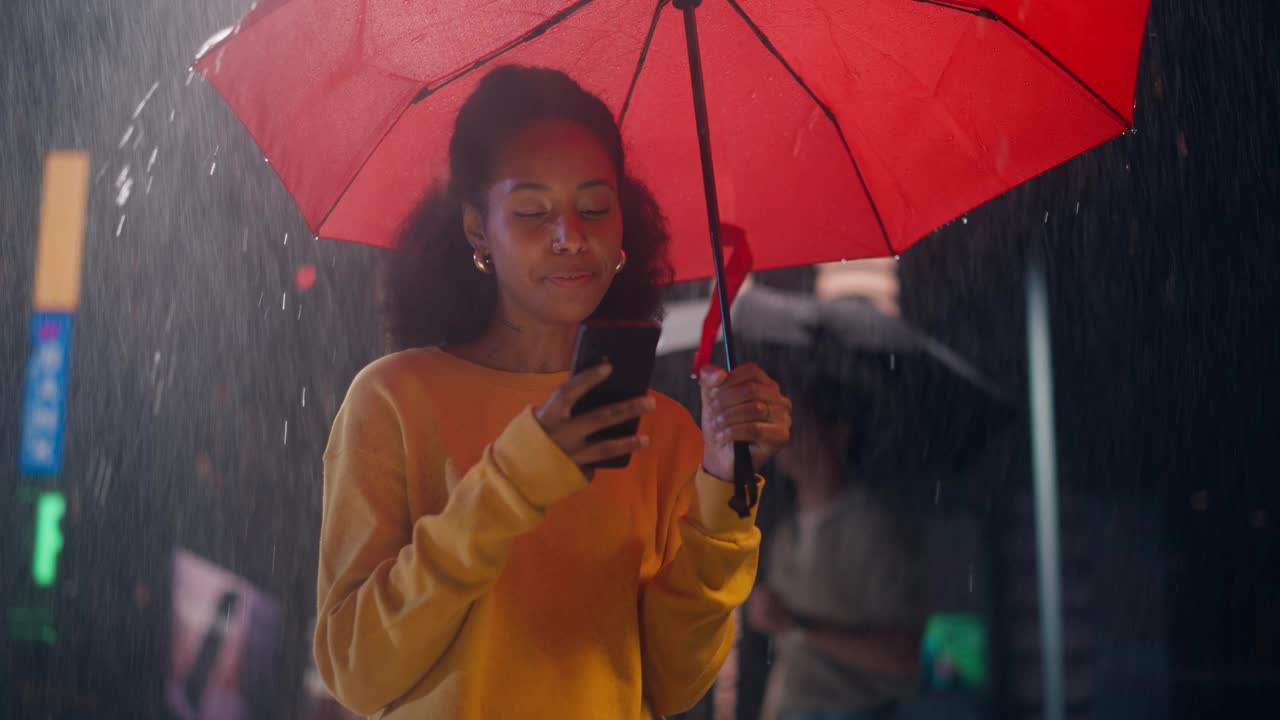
x=426, y=91
x=989, y=14
x=768, y=45
x=644, y=54
x=532, y=34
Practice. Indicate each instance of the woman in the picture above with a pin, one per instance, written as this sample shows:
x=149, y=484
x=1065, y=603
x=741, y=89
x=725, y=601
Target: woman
x=469, y=568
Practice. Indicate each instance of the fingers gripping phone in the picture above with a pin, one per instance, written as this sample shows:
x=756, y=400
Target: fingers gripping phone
x=630, y=348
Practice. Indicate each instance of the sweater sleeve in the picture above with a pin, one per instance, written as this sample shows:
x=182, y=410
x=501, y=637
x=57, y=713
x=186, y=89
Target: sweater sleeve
x=708, y=569
x=394, y=591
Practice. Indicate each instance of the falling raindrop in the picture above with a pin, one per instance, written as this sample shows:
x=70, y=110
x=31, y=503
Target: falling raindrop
x=937, y=492
x=286, y=238
x=191, y=73
x=151, y=161
x=148, y=192
x=128, y=133
x=286, y=433
x=304, y=396
x=970, y=578
x=120, y=226
x=124, y=187
x=1046, y=217
x=212, y=167
x=283, y=296
x=171, y=114
x=260, y=296
x=1077, y=207
x=299, y=311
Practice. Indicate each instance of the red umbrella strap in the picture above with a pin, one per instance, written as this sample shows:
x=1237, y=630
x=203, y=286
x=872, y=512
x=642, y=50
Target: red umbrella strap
x=737, y=266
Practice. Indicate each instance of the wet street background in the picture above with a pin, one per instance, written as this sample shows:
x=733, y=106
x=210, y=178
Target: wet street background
x=215, y=340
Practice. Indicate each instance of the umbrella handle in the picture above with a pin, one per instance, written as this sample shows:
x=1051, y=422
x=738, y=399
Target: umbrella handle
x=745, y=493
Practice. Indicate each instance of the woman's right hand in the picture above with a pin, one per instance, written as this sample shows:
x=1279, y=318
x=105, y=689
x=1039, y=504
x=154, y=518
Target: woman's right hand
x=571, y=433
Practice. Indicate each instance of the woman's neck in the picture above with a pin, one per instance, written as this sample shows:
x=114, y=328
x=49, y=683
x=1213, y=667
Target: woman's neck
x=521, y=346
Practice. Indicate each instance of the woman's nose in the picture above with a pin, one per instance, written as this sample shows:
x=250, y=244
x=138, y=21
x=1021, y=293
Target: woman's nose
x=571, y=237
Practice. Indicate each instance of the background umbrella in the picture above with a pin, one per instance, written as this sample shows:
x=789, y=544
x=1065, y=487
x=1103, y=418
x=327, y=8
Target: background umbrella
x=921, y=405
x=877, y=121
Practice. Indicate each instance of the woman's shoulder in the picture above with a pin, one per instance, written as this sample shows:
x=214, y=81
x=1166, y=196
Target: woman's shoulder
x=391, y=376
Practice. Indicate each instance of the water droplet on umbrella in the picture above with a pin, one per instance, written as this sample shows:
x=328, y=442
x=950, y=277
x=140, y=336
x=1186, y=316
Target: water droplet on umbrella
x=964, y=221
x=897, y=257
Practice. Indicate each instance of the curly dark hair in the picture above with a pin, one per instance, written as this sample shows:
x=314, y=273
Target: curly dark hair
x=432, y=293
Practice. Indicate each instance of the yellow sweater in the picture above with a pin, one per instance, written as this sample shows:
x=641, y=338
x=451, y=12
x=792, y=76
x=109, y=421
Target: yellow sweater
x=469, y=570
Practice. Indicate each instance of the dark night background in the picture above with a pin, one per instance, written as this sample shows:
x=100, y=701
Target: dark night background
x=1161, y=253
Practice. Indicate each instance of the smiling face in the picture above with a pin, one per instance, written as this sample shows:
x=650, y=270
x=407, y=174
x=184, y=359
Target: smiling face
x=553, y=225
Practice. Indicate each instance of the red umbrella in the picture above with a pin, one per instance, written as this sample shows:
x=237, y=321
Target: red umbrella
x=835, y=129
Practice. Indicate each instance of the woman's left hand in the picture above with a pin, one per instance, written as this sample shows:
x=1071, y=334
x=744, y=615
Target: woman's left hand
x=745, y=405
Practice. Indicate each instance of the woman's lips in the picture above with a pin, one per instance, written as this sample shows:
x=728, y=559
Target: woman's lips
x=571, y=280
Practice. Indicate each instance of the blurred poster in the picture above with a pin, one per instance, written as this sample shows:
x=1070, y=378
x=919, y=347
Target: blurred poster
x=317, y=703
x=225, y=644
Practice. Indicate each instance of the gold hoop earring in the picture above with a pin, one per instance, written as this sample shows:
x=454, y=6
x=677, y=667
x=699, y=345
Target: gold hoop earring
x=482, y=261
x=622, y=262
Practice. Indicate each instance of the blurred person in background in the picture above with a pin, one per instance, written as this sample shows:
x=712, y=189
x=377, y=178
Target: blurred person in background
x=844, y=596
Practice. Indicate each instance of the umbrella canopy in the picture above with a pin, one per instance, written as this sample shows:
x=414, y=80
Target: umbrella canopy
x=840, y=129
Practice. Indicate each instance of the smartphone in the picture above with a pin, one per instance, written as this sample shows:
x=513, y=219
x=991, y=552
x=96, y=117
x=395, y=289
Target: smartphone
x=630, y=347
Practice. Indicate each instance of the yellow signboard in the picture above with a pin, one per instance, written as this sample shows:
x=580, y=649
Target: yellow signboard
x=62, y=217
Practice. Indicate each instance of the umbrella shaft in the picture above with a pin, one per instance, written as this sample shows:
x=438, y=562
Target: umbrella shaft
x=708, y=172
x=745, y=490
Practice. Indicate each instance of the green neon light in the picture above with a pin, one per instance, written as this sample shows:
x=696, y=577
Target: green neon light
x=48, y=540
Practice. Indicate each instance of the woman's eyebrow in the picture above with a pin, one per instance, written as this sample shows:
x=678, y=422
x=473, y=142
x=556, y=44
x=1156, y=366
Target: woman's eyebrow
x=546, y=188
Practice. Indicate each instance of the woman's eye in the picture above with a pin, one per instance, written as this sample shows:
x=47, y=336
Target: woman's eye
x=595, y=213
x=529, y=214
